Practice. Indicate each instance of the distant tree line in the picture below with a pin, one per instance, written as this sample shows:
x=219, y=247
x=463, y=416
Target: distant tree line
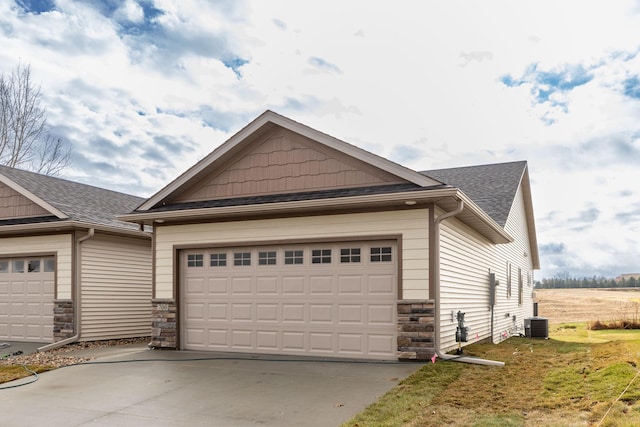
x=565, y=281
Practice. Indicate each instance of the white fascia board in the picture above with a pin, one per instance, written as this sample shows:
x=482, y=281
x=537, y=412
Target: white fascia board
x=271, y=117
x=35, y=199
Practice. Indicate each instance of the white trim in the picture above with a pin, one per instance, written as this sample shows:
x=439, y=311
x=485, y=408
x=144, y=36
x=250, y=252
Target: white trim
x=322, y=138
x=29, y=195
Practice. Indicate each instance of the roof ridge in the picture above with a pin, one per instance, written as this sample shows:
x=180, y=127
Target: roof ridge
x=474, y=166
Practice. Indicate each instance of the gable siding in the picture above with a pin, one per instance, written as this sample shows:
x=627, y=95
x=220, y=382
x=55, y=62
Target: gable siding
x=286, y=162
x=115, y=288
x=59, y=245
x=412, y=225
x=15, y=205
x=466, y=261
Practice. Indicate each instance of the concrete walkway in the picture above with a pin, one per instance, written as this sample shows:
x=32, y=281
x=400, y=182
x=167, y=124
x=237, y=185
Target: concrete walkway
x=134, y=386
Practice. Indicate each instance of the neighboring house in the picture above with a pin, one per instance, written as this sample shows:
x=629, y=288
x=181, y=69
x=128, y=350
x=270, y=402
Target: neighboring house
x=69, y=270
x=285, y=240
x=628, y=276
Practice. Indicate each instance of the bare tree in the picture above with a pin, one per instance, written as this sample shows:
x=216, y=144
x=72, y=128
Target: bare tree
x=25, y=140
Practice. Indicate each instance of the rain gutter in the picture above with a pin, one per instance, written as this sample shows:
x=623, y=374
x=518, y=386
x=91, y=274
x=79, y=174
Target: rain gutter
x=76, y=311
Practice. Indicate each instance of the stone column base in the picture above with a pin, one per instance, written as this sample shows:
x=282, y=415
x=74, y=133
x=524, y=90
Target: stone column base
x=163, y=327
x=63, y=319
x=416, y=325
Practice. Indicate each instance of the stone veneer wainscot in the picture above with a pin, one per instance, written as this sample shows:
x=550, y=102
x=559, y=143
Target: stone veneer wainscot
x=416, y=324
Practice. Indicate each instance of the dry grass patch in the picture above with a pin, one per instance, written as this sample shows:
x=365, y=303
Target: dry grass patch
x=554, y=382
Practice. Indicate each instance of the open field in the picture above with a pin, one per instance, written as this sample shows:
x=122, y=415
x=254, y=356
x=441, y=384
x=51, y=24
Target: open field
x=587, y=305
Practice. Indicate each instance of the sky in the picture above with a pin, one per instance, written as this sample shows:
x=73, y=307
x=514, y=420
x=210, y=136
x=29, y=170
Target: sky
x=142, y=89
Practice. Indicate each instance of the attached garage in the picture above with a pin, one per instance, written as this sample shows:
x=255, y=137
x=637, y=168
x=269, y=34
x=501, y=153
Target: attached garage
x=325, y=299
x=285, y=240
x=69, y=269
x=27, y=288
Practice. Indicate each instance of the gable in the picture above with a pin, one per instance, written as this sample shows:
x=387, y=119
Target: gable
x=281, y=161
x=15, y=205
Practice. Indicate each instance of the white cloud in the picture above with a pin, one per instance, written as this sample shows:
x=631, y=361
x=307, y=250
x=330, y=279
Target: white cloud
x=145, y=89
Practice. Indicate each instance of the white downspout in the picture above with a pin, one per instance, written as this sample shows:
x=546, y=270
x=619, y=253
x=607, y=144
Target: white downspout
x=76, y=308
x=442, y=355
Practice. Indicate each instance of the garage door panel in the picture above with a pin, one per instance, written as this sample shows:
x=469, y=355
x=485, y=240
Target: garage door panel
x=321, y=342
x=195, y=311
x=293, y=306
x=321, y=285
x=351, y=344
x=320, y=313
x=266, y=312
x=18, y=288
x=350, y=314
x=217, y=311
x=267, y=285
x=241, y=312
x=218, y=285
x=267, y=340
x=195, y=286
x=293, y=341
x=350, y=285
x=242, y=339
x=241, y=285
x=218, y=339
x=381, y=344
x=382, y=314
x=382, y=284
x=293, y=285
x=195, y=336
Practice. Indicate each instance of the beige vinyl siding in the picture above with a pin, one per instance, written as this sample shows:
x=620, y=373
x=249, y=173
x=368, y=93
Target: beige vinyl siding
x=466, y=261
x=412, y=225
x=115, y=287
x=507, y=307
x=59, y=245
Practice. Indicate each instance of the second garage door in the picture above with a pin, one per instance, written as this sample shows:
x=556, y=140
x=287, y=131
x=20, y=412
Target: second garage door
x=329, y=299
x=26, y=298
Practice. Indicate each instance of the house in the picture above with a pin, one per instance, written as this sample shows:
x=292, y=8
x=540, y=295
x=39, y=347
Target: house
x=627, y=276
x=69, y=269
x=285, y=240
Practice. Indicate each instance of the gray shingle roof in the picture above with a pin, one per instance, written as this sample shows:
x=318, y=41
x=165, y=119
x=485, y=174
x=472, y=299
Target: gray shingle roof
x=80, y=202
x=492, y=187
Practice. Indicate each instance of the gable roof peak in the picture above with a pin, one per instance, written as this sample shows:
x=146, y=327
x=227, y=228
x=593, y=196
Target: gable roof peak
x=263, y=123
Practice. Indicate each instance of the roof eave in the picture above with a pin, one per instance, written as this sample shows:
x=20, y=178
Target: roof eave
x=472, y=215
x=58, y=226
x=364, y=201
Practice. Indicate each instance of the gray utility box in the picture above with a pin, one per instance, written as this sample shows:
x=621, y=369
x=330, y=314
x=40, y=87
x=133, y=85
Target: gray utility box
x=536, y=327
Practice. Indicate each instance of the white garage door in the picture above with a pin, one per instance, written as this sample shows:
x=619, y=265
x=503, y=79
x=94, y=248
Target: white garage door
x=333, y=299
x=26, y=299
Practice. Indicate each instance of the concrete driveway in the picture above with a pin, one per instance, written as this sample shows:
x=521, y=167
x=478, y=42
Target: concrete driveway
x=140, y=387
